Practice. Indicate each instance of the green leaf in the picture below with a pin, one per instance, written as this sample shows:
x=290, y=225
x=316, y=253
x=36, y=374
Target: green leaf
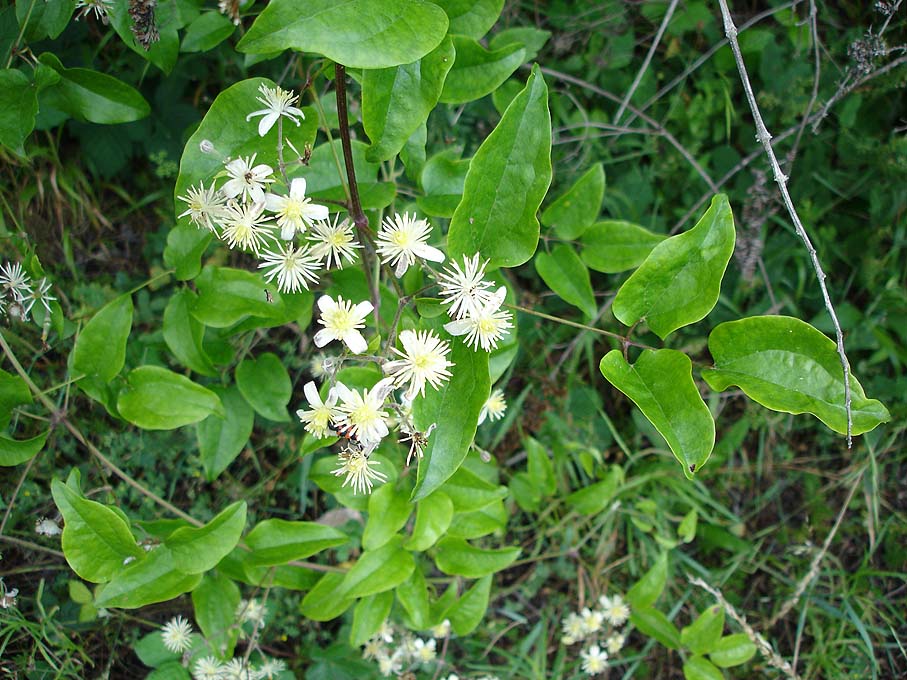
x=154, y=579
x=324, y=602
x=215, y=601
x=158, y=399
x=468, y=491
x=540, y=466
x=198, y=549
x=100, y=349
x=168, y=20
x=443, y=179
x=206, y=32
x=378, y=570
x=20, y=106
x=458, y=558
x=412, y=595
x=575, y=211
x=478, y=72
x=594, y=498
x=565, y=274
x=184, y=334
x=615, y=246
x=687, y=529
x=226, y=296
x=433, y=516
x=507, y=179
x=45, y=19
x=355, y=33
x=489, y=519
x=185, y=246
x=647, y=589
x=266, y=385
x=79, y=592
x=732, y=650
x=679, y=282
x=467, y=613
x=152, y=652
x=17, y=451
x=96, y=540
x=388, y=510
x=396, y=101
x=699, y=668
x=702, y=636
x=787, y=365
x=172, y=670
x=471, y=18
x=221, y=439
x=91, y=96
x=656, y=625
x=368, y=615
x=455, y=408
x=13, y=392
x=278, y=541
x=529, y=38
x=661, y=384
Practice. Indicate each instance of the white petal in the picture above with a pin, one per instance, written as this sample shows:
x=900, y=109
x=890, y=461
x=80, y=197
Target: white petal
x=402, y=266
x=297, y=187
x=344, y=392
x=311, y=393
x=232, y=188
x=323, y=337
x=458, y=327
x=354, y=340
x=394, y=366
x=275, y=203
x=363, y=309
x=262, y=112
x=406, y=337
x=267, y=123
x=316, y=212
x=257, y=194
x=381, y=389
x=427, y=252
x=287, y=231
x=325, y=303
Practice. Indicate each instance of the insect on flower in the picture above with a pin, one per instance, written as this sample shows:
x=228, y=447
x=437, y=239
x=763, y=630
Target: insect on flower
x=343, y=431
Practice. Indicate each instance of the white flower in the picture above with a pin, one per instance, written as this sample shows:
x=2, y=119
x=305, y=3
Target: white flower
x=573, y=628
x=615, y=643
x=358, y=470
x=385, y=632
x=402, y=239
x=333, y=240
x=291, y=265
x=593, y=620
x=277, y=102
x=373, y=649
x=47, y=527
x=494, y=407
x=341, y=320
x=362, y=414
x=206, y=206
x=485, y=326
x=39, y=294
x=389, y=665
x=594, y=660
x=99, y=7
x=321, y=414
x=442, y=629
x=424, y=651
x=294, y=212
x=247, y=181
x=236, y=669
x=424, y=361
x=14, y=279
x=270, y=668
x=177, y=634
x=245, y=227
x=251, y=611
x=208, y=668
x=466, y=289
x=8, y=597
x=615, y=609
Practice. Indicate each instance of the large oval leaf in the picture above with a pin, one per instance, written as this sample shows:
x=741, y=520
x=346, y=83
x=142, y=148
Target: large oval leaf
x=227, y=296
x=477, y=72
x=565, y=274
x=443, y=179
x=458, y=558
x=158, y=399
x=323, y=602
x=467, y=613
x=266, y=385
x=661, y=384
x=378, y=570
x=220, y=440
x=473, y=18
x=198, y=549
x=184, y=334
x=96, y=540
x=455, y=409
x=388, y=510
x=397, y=100
x=154, y=579
x=20, y=105
x=13, y=392
x=575, y=211
x=16, y=451
x=355, y=33
x=278, y=541
x=100, y=349
x=506, y=182
x=787, y=365
x=433, y=516
x=679, y=282
x=615, y=246
x=214, y=603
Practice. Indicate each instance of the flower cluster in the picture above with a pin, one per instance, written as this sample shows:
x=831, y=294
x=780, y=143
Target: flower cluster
x=599, y=630
x=399, y=651
x=475, y=310
x=294, y=238
x=18, y=293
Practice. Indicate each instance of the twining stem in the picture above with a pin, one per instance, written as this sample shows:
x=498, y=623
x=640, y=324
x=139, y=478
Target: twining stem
x=762, y=134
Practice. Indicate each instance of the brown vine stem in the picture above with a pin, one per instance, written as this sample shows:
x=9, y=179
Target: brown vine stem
x=762, y=134
x=574, y=324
